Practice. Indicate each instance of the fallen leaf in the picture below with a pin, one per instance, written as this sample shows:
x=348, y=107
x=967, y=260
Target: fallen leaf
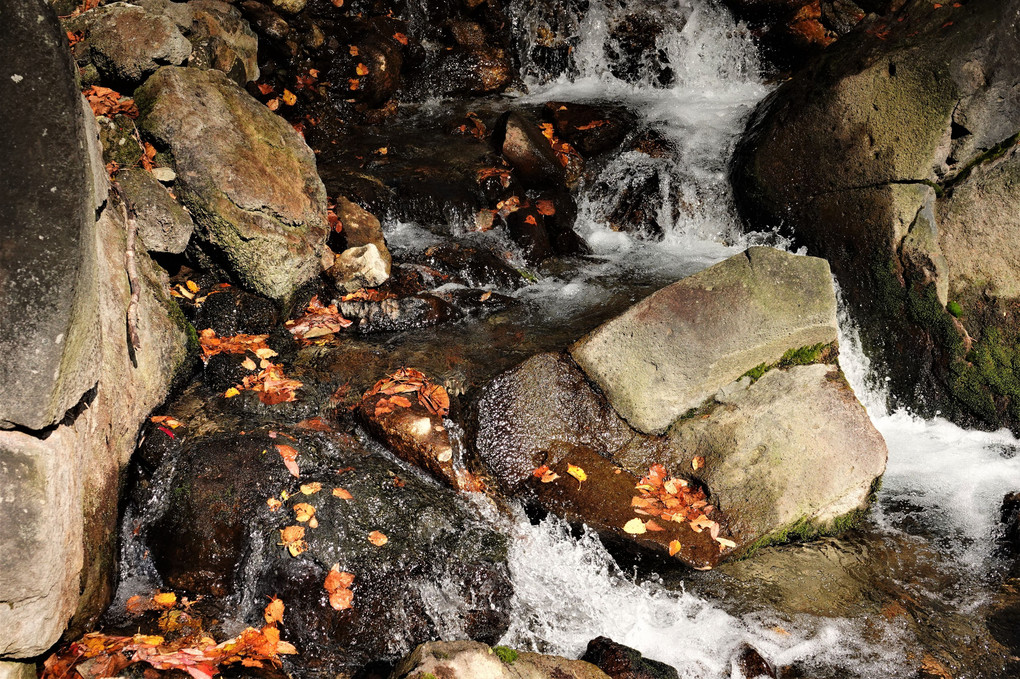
x=485, y=296
x=303, y=511
x=231, y=392
x=700, y=523
x=273, y=104
x=577, y=473
x=361, y=69
x=634, y=527
x=164, y=599
x=724, y=543
x=549, y=477
x=651, y=525
x=274, y=611
x=265, y=88
x=289, y=98
x=540, y=471
x=674, y=547
x=400, y=37
x=273, y=503
x=136, y=604
x=697, y=463
x=311, y=488
x=400, y=401
x=293, y=539
x=342, y=494
x=377, y=538
x=289, y=456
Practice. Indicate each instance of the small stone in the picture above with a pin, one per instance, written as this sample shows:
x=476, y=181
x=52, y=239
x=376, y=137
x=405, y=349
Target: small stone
x=164, y=174
x=289, y=6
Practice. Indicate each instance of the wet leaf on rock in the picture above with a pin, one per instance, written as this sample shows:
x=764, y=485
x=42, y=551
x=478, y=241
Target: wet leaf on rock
x=377, y=538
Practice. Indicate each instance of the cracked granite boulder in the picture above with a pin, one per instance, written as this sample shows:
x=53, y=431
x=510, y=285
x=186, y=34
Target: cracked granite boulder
x=248, y=179
x=893, y=155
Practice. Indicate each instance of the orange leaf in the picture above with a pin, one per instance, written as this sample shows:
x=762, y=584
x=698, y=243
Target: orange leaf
x=165, y=599
x=303, y=511
x=651, y=525
x=273, y=104
x=274, y=611
x=400, y=37
x=697, y=463
x=674, y=547
x=549, y=477
x=342, y=494
x=289, y=456
x=377, y=538
x=289, y=98
x=361, y=69
x=400, y=401
x=311, y=488
x=341, y=599
x=540, y=471
x=273, y=503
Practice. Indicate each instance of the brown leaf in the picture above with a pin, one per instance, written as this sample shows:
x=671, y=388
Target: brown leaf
x=378, y=539
x=342, y=494
x=274, y=611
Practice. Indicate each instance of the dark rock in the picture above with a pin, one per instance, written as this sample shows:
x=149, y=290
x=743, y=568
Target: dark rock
x=120, y=144
x=127, y=43
x=49, y=302
x=752, y=665
x=163, y=225
x=789, y=32
x=397, y=314
x=266, y=21
x=636, y=204
x=592, y=129
x=462, y=71
x=218, y=536
x=475, y=302
x=474, y=267
x=230, y=311
x=633, y=50
x=526, y=227
x=247, y=177
x=840, y=16
x=529, y=153
x=1010, y=518
x=623, y=662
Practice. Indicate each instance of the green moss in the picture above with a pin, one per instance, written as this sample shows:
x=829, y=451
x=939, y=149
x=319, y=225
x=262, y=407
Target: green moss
x=507, y=655
x=440, y=655
x=806, y=529
x=955, y=309
x=428, y=675
x=818, y=353
x=756, y=372
x=994, y=153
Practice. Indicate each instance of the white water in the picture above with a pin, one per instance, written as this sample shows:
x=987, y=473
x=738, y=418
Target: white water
x=569, y=590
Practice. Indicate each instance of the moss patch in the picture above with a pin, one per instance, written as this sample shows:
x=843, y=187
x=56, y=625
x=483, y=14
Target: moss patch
x=817, y=353
x=507, y=655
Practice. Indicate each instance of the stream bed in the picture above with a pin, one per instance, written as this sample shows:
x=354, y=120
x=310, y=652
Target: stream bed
x=905, y=594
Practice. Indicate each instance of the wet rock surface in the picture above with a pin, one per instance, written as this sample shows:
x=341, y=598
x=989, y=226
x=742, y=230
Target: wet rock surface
x=463, y=659
x=214, y=534
x=622, y=662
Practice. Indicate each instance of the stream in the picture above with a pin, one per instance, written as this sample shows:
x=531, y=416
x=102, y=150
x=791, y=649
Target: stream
x=910, y=588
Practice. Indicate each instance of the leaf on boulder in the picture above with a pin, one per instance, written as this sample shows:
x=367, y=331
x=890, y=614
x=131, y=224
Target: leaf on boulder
x=634, y=527
x=377, y=538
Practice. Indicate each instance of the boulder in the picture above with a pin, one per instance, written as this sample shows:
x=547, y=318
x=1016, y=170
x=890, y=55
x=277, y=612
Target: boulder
x=785, y=451
x=17, y=670
x=474, y=660
x=680, y=345
x=127, y=43
x=215, y=534
x=163, y=225
x=359, y=267
x=220, y=37
x=247, y=177
x=360, y=227
x=49, y=296
x=892, y=155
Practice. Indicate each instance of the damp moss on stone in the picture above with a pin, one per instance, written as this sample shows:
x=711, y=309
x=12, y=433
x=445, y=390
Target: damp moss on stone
x=823, y=352
x=955, y=309
x=506, y=654
x=805, y=529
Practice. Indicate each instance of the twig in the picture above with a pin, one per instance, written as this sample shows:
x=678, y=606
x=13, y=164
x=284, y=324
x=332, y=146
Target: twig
x=132, y=270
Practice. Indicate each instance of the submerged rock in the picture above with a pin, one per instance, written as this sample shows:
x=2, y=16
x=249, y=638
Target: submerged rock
x=400, y=535
x=474, y=660
x=245, y=174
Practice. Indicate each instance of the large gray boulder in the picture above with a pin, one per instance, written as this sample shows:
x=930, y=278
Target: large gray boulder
x=73, y=392
x=49, y=333
x=126, y=42
x=784, y=451
x=893, y=156
x=671, y=351
x=247, y=177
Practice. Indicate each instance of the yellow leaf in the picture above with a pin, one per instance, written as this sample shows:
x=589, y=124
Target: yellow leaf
x=274, y=611
x=192, y=285
x=311, y=488
x=674, y=547
x=147, y=640
x=231, y=393
x=289, y=98
x=724, y=543
x=165, y=599
x=576, y=472
x=313, y=522
x=634, y=527
x=265, y=352
x=362, y=69
x=285, y=648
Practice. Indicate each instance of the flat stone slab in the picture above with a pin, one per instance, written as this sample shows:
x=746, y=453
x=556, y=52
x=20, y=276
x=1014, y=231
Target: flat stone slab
x=679, y=346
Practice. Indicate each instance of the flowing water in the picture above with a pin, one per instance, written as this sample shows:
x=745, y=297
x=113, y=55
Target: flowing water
x=907, y=590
